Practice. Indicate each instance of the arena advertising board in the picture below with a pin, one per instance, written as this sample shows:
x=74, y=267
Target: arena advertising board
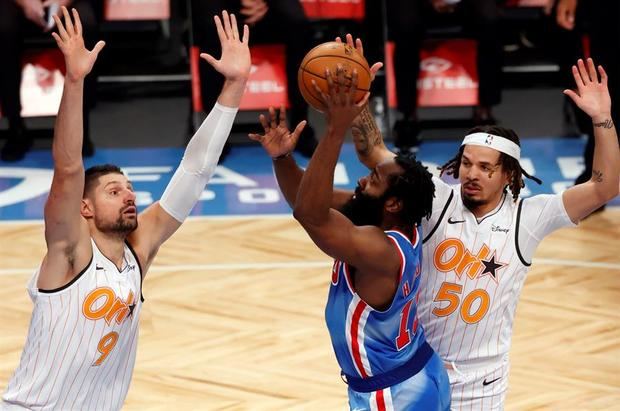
x=245, y=185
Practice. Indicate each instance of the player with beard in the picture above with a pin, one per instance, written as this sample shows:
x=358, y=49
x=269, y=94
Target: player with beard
x=481, y=237
x=87, y=293
x=371, y=310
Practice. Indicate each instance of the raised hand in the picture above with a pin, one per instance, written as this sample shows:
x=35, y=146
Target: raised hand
x=79, y=60
x=277, y=140
x=360, y=48
x=341, y=108
x=592, y=95
x=235, y=62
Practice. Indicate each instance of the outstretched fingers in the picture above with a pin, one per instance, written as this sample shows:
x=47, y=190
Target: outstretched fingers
x=592, y=71
x=583, y=72
x=297, y=132
x=78, y=22
x=220, y=29
x=273, y=118
x=227, y=27
x=283, y=115
x=246, y=34
x=68, y=23
x=98, y=47
x=263, y=122
x=603, y=74
x=577, y=76
x=64, y=36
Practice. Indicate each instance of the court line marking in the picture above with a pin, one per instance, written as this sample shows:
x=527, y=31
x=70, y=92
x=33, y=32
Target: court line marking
x=310, y=264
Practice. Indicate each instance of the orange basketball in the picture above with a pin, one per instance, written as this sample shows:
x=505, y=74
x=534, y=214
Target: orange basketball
x=329, y=55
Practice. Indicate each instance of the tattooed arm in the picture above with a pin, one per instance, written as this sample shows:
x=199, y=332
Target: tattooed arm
x=592, y=97
x=369, y=145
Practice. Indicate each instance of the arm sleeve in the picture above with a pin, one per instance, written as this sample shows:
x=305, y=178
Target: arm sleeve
x=198, y=163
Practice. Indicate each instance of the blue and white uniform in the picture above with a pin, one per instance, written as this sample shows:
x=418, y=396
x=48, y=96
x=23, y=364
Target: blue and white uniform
x=383, y=354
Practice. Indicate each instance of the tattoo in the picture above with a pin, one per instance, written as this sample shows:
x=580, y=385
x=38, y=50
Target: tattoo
x=598, y=176
x=605, y=124
x=366, y=134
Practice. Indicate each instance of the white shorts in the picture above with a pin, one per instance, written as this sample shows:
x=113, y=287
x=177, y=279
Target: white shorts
x=479, y=388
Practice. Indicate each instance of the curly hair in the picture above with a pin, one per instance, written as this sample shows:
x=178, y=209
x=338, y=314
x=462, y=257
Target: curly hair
x=414, y=187
x=510, y=165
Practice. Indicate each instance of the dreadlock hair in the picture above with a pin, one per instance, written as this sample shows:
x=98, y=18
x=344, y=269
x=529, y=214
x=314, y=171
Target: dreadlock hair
x=92, y=174
x=414, y=188
x=510, y=164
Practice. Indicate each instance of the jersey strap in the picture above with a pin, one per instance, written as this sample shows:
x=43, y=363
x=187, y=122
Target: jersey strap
x=399, y=374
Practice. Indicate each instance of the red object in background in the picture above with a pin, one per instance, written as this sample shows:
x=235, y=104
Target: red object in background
x=267, y=83
x=42, y=82
x=137, y=9
x=526, y=3
x=448, y=74
x=329, y=9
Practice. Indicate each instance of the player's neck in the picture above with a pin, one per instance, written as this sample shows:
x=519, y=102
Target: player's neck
x=481, y=210
x=111, y=246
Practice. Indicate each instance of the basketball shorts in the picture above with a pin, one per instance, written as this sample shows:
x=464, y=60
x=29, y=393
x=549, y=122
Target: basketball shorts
x=479, y=388
x=428, y=390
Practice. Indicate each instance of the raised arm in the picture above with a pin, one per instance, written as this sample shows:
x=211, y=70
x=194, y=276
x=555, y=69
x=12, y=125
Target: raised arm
x=158, y=222
x=367, y=137
x=66, y=232
x=593, y=98
x=279, y=144
x=366, y=248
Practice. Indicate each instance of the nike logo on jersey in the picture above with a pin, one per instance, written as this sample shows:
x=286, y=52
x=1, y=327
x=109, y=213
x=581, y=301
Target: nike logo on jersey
x=98, y=267
x=485, y=382
x=451, y=221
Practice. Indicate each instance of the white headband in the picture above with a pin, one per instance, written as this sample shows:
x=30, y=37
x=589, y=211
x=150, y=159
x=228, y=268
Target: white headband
x=498, y=143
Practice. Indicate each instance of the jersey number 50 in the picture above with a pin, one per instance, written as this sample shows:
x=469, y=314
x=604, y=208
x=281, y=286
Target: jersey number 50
x=451, y=293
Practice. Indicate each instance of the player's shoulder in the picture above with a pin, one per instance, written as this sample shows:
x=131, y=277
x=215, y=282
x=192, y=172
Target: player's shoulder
x=539, y=201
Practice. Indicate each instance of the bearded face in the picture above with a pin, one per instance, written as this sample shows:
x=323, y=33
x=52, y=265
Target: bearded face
x=122, y=224
x=364, y=209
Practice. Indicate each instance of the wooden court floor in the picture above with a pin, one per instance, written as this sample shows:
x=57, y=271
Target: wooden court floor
x=233, y=319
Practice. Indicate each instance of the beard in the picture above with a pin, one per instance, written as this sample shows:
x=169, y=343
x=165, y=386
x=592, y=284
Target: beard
x=363, y=209
x=471, y=203
x=122, y=226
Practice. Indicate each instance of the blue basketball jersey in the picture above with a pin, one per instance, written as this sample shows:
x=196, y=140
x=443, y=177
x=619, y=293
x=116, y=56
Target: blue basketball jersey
x=368, y=342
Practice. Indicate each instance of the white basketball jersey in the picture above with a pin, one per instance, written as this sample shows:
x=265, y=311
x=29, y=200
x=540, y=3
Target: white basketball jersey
x=473, y=270
x=81, y=344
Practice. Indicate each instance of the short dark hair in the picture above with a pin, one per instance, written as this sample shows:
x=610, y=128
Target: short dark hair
x=414, y=187
x=510, y=164
x=92, y=174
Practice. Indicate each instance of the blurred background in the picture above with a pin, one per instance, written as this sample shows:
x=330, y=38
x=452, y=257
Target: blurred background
x=449, y=65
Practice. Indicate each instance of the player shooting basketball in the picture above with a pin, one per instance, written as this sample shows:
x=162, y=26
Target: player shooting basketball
x=371, y=310
x=481, y=237
x=81, y=345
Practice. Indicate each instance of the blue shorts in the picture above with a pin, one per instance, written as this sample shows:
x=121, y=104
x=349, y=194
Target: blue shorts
x=428, y=390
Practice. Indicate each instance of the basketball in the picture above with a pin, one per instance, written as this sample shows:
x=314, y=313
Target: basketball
x=329, y=55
